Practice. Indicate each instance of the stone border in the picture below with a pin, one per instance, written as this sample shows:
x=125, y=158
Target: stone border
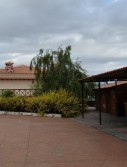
x=29, y=114
x=53, y=115
x=18, y=113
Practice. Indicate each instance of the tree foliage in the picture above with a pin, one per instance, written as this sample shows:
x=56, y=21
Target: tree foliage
x=55, y=70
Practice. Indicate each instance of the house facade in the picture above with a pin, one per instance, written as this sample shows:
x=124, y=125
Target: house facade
x=16, y=77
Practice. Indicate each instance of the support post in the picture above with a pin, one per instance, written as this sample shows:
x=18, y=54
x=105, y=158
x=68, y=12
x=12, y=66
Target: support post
x=82, y=97
x=99, y=103
x=116, y=105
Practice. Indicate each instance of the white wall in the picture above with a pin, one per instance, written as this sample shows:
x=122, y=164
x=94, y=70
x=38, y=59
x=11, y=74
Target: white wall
x=16, y=84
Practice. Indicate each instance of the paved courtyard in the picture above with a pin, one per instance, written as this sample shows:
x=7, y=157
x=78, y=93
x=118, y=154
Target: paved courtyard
x=27, y=141
x=113, y=125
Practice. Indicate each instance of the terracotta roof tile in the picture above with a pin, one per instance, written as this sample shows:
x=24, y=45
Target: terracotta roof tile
x=20, y=73
x=23, y=69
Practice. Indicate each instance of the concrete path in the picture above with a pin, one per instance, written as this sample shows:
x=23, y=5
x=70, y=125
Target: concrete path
x=114, y=125
x=27, y=141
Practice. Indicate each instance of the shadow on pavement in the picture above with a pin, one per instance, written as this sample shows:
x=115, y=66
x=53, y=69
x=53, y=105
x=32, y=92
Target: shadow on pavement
x=116, y=126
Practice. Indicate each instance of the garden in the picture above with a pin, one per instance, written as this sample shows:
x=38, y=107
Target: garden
x=54, y=102
x=57, y=76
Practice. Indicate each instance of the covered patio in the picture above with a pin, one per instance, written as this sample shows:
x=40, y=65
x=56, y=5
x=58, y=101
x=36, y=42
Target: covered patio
x=110, y=76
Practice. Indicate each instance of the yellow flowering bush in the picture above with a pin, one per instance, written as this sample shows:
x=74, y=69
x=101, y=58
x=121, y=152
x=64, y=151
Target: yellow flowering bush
x=56, y=102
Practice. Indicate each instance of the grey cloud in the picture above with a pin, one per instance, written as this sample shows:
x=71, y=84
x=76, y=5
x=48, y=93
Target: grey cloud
x=96, y=29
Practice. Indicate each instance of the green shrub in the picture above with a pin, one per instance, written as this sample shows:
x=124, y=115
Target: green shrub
x=61, y=102
x=35, y=104
x=56, y=102
x=12, y=103
x=8, y=93
x=18, y=103
x=37, y=92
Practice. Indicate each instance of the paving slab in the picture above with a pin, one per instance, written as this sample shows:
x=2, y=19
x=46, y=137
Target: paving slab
x=113, y=125
x=27, y=141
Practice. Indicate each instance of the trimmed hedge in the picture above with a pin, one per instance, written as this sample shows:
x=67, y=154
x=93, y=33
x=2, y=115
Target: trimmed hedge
x=57, y=102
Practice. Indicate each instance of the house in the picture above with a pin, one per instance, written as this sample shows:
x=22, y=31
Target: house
x=113, y=97
x=16, y=77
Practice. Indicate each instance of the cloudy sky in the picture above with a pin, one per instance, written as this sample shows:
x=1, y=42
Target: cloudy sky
x=96, y=30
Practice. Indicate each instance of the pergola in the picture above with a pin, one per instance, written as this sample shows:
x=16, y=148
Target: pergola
x=114, y=75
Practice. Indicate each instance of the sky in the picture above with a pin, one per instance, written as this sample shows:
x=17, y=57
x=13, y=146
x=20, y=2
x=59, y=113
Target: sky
x=95, y=29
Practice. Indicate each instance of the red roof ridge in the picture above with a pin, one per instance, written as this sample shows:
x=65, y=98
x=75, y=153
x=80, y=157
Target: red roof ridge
x=19, y=69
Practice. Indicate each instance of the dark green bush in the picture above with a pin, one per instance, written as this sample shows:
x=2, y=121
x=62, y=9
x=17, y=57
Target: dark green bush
x=12, y=103
x=59, y=102
x=7, y=93
x=37, y=92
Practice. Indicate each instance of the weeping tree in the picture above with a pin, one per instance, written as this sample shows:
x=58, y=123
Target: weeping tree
x=55, y=70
